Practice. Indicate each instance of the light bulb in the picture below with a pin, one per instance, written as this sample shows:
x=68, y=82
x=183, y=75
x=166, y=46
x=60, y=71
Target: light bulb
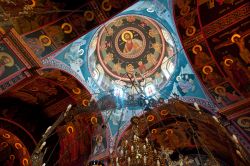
x=196, y=106
x=146, y=140
x=158, y=163
x=235, y=138
x=216, y=119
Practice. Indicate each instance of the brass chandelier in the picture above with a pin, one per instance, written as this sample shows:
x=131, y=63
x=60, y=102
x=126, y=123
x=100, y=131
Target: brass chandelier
x=138, y=151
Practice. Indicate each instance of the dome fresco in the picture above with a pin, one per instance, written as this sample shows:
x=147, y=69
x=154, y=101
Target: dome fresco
x=131, y=47
x=136, y=52
x=128, y=82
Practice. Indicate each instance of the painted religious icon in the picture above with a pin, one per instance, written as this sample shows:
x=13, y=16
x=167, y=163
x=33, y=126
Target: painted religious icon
x=211, y=76
x=183, y=7
x=185, y=83
x=40, y=43
x=99, y=143
x=236, y=72
x=239, y=40
x=225, y=95
x=9, y=63
x=244, y=124
x=61, y=32
x=188, y=25
x=200, y=56
x=132, y=45
x=28, y=15
x=230, y=48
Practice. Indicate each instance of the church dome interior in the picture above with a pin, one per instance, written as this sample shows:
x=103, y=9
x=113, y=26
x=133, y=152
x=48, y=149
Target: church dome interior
x=124, y=83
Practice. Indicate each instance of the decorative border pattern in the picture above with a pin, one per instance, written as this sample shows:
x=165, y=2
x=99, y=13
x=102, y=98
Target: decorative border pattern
x=227, y=20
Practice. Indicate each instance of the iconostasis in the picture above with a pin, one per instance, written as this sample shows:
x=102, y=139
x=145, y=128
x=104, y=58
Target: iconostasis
x=140, y=44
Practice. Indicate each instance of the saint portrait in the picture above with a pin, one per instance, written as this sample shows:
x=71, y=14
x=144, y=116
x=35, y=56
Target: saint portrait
x=9, y=64
x=200, y=57
x=132, y=45
x=211, y=76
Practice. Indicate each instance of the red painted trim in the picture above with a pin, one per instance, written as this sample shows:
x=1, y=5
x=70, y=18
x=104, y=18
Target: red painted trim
x=226, y=15
x=21, y=127
x=9, y=44
x=11, y=76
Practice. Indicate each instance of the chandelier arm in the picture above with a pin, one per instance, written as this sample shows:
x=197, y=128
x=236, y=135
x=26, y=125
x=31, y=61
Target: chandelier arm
x=201, y=142
x=194, y=139
x=147, y=125
x=51, y=153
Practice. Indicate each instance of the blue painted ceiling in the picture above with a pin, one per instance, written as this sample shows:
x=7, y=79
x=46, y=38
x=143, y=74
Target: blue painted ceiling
x=153, y=67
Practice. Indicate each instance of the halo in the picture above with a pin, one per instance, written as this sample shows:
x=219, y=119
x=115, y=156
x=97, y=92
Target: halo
x=196, y=46
x=216, y=90
x=33, y=3
x=4, y=144
x=164, y=112
x=70, y=28
x=25, y=162
x=86, y=13
x=228, y=60
x=127, y=32
x=184, y=12
x=169, y=131
x=234, y=36
x=106, y=8
x=76, y=90
x=154, y=131
x=70, y=128
x=241, y=124
x=93, y=120
x=18, y=145
x=43, y=37
x=12, y=157
x=204, y=69
x=9, y=64
x=150, y=118
x=193, y=32
x=85, y=102
x=5, y=135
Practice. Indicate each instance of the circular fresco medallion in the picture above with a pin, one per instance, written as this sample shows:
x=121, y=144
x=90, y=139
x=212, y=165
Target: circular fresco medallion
x=131, y=46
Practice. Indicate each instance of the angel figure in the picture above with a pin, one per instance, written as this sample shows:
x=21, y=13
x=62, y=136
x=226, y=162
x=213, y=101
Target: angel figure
x=151, y=59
